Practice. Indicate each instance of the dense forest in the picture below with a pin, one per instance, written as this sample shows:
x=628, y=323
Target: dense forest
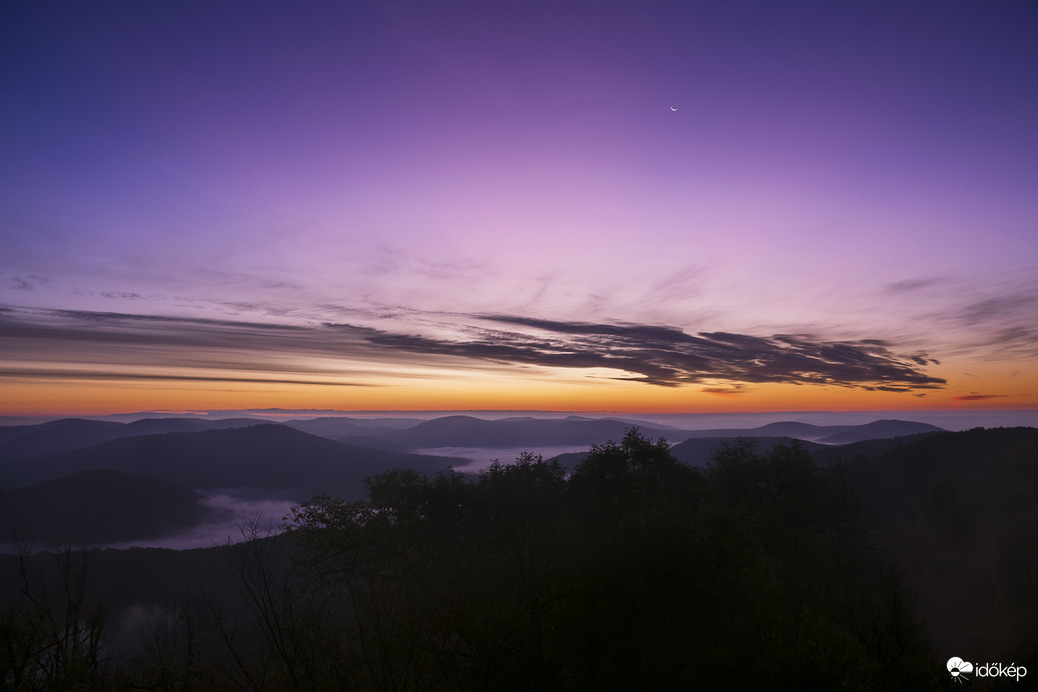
x=633, y=570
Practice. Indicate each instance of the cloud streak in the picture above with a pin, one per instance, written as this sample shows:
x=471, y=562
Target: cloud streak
x=979, y=397
x=669, y=357
x=993, y=319
x=101, y=376
x=100, y=345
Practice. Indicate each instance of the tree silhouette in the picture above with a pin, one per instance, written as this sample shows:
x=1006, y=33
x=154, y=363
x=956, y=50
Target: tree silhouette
x=634, y=571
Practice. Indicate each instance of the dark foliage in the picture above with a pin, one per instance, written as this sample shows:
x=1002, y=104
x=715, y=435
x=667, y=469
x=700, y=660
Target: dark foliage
x=959, y=513
x=51, y=636
x=632, y=571
x=99, y=506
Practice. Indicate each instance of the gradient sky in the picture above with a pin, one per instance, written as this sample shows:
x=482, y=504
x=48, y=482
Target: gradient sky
x=610, y=206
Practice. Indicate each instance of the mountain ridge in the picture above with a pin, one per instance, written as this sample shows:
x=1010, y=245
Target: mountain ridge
x=267, y=456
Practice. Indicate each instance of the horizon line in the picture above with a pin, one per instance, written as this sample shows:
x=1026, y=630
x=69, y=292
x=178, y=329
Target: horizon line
x=260, y=414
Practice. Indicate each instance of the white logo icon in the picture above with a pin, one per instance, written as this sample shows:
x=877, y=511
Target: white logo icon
x=957, y=667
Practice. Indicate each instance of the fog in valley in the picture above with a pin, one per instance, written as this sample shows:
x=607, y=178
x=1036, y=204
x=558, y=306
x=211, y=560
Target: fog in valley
x=241, y=517
x=476, y=459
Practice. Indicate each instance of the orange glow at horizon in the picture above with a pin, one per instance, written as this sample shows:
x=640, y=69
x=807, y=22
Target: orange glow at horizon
x=489, y=392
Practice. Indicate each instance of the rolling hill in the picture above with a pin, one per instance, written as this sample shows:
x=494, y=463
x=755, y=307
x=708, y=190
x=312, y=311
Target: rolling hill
x=73, y=433
x=825, y=434
x=288, y=463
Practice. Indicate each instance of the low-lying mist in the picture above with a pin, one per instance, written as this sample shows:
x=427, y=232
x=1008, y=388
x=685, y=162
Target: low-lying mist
x=240, y=515
x=480, y=458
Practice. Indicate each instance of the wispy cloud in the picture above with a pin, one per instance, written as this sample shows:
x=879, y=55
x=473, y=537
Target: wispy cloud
x=17, y=373
x=27, y=283
x=105, y=345
x=725, y=391
x=669, y=357
x=913, y=285
x=1007, y=323
x=979, y=397
x=77, y=344
x=982, y=315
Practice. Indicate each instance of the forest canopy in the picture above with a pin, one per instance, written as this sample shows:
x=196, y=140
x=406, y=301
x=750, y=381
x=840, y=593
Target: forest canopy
x=630, y=570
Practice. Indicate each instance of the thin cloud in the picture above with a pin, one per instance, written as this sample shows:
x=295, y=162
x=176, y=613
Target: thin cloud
x=725, y=391
x=1014, y=305
x=912, y=285
x=138, y=345
x=669, y=357
x=979, y=397
x=997, y=320
x=108, y=345
x=28, y=283
x=14, y=373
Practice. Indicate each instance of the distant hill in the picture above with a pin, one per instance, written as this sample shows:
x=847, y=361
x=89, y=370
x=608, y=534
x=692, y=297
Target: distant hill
x=467, y=431
x=24, y=442
x=826, y=434
x=293, y=464
x=72, y=433
x=373, y=442
x=878, y=430
x=341, y=428
x=160, y=426
x=99, y=506
x=91, y=430
x=699, y=451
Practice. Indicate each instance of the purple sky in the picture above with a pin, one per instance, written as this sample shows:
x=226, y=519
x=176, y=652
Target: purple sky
x=841, y=173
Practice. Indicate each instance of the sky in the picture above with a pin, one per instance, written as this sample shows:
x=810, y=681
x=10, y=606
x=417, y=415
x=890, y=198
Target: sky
x=588, y=206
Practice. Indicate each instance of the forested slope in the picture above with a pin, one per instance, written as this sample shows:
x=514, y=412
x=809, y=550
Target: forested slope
x=761, y=569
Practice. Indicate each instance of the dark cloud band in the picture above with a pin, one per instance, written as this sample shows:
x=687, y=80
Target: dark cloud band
x=658, y=355
x=979, y=397
x=669, y=357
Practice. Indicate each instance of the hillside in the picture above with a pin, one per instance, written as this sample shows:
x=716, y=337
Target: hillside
x=958, y=511
x=289, y=463
x=826, y=434
x=19, y=443
x=467, y=431
x=99, y=506
x=871, y=542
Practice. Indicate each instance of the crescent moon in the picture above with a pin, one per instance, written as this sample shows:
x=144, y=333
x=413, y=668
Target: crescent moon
x=673, y=109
